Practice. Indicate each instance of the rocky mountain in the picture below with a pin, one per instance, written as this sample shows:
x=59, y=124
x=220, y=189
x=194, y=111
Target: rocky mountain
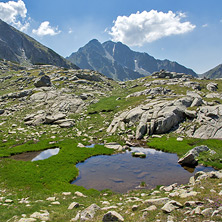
x=119, y=62
x=19, y=47
x=214, y=73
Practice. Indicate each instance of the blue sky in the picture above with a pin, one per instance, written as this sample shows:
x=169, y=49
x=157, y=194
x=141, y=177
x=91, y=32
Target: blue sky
x=186, y=31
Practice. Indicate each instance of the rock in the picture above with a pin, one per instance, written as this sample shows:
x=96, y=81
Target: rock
x=207, y=212
x=158, y=201
x=66, y=124
x=170, y=219
x=139, y=154
x=197, y=102
x=112, y=216
x=55, y=203
x=66, y=193
x=170, y=187
x=192, y=203
x=114, y=146
x=189, y=158
x=197, y=210
x=8, y=201
x=188, y=194
x=73, y=205
x=76, y=218
x=89, y=212
x=79, y=194
x=212, y=86
x=150, y=208
x=135, y=207
x=51, y=198
x=27, y=220
x=215, y=174
x=170, y=206
x=193, y=85
x=191, y=113
x=43, y=81
x=44, y=215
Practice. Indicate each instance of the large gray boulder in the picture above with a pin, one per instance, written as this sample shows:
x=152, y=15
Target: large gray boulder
x=190, y=157
x=43, y=81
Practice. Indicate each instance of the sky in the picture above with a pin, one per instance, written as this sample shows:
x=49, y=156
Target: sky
x=186, y=31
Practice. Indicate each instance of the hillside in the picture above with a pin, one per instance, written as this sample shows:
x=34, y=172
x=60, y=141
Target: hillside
x=214, y=73
x=83, y=114
x=19, y=47
x=119, y=62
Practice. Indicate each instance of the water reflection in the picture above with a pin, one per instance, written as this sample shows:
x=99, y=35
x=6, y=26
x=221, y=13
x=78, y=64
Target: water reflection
x=46, y=154
x=122, y=172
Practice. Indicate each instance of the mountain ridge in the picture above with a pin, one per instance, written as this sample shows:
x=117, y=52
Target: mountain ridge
x=213, y=73
x=118, y=61
x=18, y=47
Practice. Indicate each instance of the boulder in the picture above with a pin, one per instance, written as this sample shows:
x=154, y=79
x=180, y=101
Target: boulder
x=43, y=81
x=170, y=206
x=89, y=212
x=158, y=201
x=189, y=158
x=112, y=216
x=212, y=86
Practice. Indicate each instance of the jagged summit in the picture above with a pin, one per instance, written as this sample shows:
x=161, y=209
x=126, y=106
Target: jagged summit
x=19, y=47
x=118, y=61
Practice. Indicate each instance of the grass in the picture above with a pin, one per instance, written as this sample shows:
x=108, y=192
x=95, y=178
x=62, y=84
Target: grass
x=170, y=144
x=50, y=175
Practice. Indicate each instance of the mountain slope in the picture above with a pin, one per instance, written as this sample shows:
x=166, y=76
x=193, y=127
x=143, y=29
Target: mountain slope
x=214, y=73
x=119, y=62
x=19, y=47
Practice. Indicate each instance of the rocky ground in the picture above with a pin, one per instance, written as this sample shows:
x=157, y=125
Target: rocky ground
x=200, y=200
x=45, y=106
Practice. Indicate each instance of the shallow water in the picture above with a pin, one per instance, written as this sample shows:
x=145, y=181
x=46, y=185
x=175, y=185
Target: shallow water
x=46, y=154
x=122, y=172
x=36, y=155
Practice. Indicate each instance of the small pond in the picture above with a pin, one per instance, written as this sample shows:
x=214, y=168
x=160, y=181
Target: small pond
x=122, y=172
x=36, y=155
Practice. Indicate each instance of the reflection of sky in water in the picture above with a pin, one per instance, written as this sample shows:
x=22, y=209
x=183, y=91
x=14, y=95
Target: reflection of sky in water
x=46, y=154
x=122, y=172
x=145, y=150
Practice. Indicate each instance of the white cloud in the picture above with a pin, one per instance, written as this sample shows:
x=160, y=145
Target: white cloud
x=14, y=13
x=46, y=29
x=70, y=31
x=145, y=27
x=205, y=25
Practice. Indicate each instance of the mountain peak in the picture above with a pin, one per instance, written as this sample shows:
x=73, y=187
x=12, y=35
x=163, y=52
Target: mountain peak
x=118, y=61
x=19, y=47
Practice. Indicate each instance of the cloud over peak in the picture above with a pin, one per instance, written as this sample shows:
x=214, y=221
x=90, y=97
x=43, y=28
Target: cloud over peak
x=145, y=27
x=46, y=29
x=12, y=12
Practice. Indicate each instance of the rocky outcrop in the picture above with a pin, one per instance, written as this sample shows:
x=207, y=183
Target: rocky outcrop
x=41, y=117
x=189, y=159
x=210, y=119
x=170, y=75
x=156, y=117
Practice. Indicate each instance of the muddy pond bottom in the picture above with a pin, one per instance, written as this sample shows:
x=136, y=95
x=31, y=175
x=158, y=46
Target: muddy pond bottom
x=122, y=172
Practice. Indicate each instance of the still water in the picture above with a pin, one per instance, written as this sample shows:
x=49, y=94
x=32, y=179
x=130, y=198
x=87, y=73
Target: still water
x=122, y=172
x=36, y=155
